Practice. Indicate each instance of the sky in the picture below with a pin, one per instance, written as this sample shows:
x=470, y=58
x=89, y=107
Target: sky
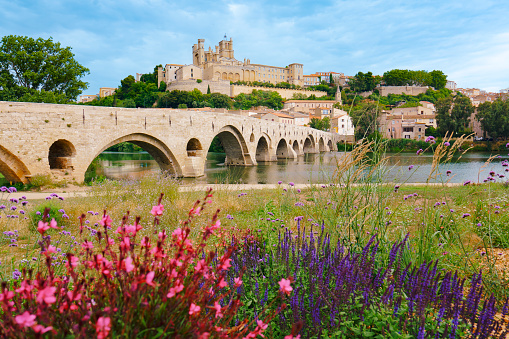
x=468, y=40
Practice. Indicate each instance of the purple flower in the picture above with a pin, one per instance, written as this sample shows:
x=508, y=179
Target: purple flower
x=430, y=139
x=279, y=182
x=466, y=182
x=13, y=189
x=410, y=167
x=299, y=204
x=447, y=144
x=291, y=184
x=38, y=213
x=229, y=217
x=466, y=215
x=448, y=172
x=13, y=208
x=479, y=224
x=298, y=190
x=507, y=145
x=419, y=151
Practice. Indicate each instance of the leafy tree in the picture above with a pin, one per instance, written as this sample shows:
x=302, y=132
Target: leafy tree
x=162, y=86
x=331, y=80
x=365, y=118
x=363, y=82
x=437, y=80
x=208, y=89
x=320, y=124
x=124, y=89
x=35, y=68
x=494, y=118
x=453, y=114
x=258, y=98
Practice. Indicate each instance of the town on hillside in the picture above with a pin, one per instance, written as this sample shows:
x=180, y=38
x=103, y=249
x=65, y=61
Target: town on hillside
x=400, y=104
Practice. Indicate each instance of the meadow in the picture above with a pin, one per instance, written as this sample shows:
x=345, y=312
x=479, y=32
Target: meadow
x=351, y=258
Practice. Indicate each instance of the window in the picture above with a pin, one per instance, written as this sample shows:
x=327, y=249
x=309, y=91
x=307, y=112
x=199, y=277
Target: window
x=407, y=137
x=430, y=121
x=419, y=129
x=393, y=122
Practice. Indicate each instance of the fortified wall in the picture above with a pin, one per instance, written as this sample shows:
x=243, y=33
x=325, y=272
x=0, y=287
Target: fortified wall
x=408, y=90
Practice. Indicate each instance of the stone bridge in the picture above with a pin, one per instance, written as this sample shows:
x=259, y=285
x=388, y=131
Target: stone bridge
x=62, y=140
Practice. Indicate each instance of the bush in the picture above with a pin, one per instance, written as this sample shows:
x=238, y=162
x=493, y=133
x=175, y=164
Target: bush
x=40, y=180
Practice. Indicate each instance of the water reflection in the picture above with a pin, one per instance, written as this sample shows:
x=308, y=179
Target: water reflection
x=311, y=168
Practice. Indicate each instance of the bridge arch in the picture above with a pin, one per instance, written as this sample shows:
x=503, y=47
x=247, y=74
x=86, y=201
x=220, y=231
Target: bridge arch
x=282, y=151
x=296, y=147
x=60, y=155
x=321, y=145
x=155, y=147
x=234, y=146
x=309, y=145
x=194, y=148
x=330, y=145
x=262, y=150
x=12, y=168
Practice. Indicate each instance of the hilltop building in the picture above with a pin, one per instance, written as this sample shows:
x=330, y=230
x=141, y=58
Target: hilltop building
x=220, y=65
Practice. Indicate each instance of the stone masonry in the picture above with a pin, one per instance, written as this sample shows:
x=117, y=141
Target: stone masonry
x=62, y=140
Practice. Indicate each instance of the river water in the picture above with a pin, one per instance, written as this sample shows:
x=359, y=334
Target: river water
x=311, y=168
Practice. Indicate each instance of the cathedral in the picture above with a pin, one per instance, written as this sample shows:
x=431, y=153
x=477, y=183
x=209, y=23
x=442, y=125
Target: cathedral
x=219, y=64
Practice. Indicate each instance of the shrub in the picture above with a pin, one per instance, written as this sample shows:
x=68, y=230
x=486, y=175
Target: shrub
x=40, y=180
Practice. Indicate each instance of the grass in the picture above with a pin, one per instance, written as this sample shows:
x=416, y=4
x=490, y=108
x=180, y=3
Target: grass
x=460, y=227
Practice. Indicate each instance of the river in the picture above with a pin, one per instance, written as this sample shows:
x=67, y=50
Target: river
x=311, y=168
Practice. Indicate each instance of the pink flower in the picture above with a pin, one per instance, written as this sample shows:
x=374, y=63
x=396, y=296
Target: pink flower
x=226, y=264
x=204, y=335
x=87, y=245
x=129, y=264
x=105, y=221
x=41, y=329
x=51, y=249
x=145, y=242
x=200, y=266
x=193, y=309
x=47, y=295
x=74, y=262
x=53, y=224
x=42, y=227
x=217, y=307
x=111, y=241
x=25, y=287
x=285, y=287
x=195, y=211
x=26, y=319
x=125, y=243
x=238, y=282
x=261, y=324
x=157, y=210
x=175, y=290
x=102, y=327
x=292, y=337
x=150, y=278
x=222, y=283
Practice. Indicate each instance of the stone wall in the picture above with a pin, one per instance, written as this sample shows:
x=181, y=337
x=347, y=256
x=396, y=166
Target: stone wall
x=220, y=86
x=409, y=90
x=285, y=93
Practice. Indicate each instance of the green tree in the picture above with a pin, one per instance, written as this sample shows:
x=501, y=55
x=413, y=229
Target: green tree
x=320, y=124
x=123, y=91
x=35, y=68
x=365, y=118
x=208, y=89
x=453, y=114
x=363, y=82
x=438, y=80
x=494, y=118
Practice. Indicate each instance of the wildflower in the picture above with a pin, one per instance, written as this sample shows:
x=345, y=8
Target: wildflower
x=507, y=145
x=157, y=210
x=410, y=167
x=41, y=329
x=102, y=327
x=74, y=261
x=419, y=151
x=479, y=224
x=217, y=307
x=42, y=227
x=51, y=249
x=291, y=184
x=222, y=283
x=26, y=319
x=285, y=287
x=128, y=263
x=396, y=188
x=430, y=139
x=466, y=182
x=237, y=281
x=87, y=245
x=465, y=215
x=229, y=217
x=448, y=172
x=279, y=182
x=106, y=221
x=292, y=337
x=174, y=290
x=47, y=295
x=447, y=144
x=150, y=278
x=193, y=309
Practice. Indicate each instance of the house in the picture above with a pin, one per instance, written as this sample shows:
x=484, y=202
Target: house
x=279, y=117
x=342, y=124
x=307, y=106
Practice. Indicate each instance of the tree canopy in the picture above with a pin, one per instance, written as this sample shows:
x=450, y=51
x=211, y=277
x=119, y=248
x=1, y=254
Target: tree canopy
x=453, y=114
x=363, y=82
x=39, y=70
x=405, y=77
x=494, y=118
x=365, y=118
x=321, y=124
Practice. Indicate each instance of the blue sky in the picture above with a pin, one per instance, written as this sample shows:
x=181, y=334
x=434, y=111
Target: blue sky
x=468, y=40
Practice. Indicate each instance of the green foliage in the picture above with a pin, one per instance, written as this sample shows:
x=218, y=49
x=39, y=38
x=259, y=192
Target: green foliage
x=216, y=146
x=40, y=180
x=365, y=118
x=39, y=70
x=453, y=114
x=393, y=99
x=363, y=82
x=402, y=145
x=494, y=118
x=270, y=99
x=124, y=147
x=208, y=89
x=267, y=84
x=194, y=99
x=320, y=124
x=405, y=77
x=198, y=81
x=329, y=89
